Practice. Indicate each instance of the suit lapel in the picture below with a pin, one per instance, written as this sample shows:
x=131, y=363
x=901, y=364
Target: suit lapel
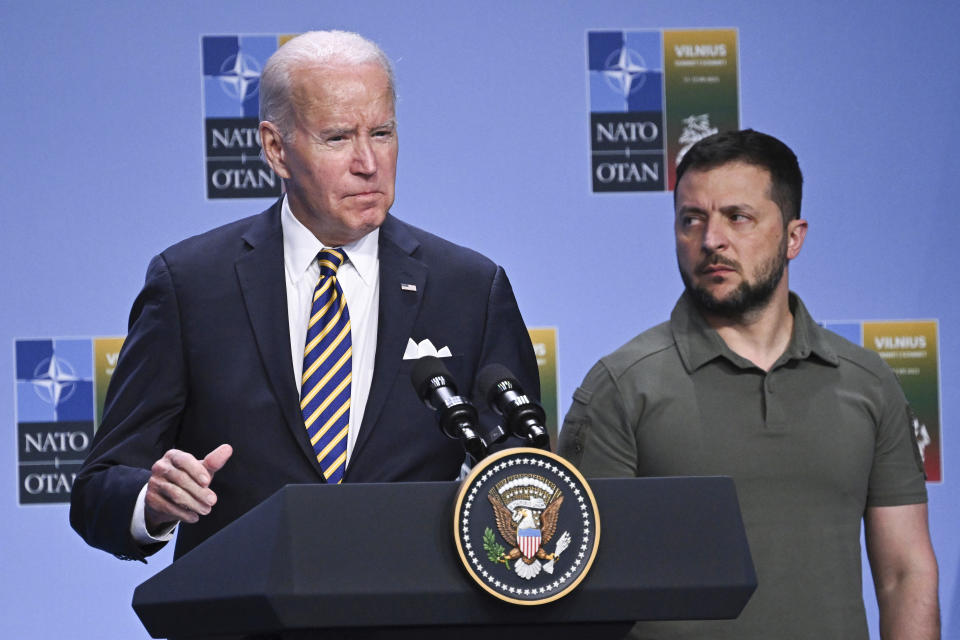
x=260, y=272
x=398, y=311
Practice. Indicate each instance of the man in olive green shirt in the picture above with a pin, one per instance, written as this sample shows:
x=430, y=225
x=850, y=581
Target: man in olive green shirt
x=741, y=382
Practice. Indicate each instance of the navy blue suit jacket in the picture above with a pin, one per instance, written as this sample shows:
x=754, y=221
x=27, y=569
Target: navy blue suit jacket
x=207, y=361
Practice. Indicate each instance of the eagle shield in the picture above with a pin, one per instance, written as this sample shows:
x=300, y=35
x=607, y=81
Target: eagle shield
x=529, y=540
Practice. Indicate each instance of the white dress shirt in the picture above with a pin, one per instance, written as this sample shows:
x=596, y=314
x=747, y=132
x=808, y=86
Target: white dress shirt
x=359, y=277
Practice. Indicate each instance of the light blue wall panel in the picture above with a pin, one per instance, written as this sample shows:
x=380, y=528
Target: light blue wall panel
x=103, y=167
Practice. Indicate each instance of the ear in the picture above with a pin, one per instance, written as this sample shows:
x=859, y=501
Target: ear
x=273, y=150
x=796, y=233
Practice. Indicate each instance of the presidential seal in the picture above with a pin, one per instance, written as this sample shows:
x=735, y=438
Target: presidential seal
x=526, y=526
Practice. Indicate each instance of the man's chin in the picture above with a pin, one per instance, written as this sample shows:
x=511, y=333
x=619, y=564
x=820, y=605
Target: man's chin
x=728, y=304
x=363, y=222
x=716, y=295
x=371, y=219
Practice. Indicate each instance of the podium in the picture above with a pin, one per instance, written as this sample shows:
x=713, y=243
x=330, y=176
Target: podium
x=379, y=561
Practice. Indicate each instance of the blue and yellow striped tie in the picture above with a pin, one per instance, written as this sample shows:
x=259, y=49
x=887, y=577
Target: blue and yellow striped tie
x=325, y=385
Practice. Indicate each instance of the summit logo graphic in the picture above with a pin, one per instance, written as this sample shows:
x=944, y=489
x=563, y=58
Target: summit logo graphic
x=60, y=386
x=653, y=93
x=626, y=101
x=231, y=106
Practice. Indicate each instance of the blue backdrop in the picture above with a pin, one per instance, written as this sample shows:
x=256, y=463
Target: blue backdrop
x=104, y=167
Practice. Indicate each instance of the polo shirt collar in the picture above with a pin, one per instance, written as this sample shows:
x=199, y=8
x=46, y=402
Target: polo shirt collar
x=808, y=337
x=698, y=344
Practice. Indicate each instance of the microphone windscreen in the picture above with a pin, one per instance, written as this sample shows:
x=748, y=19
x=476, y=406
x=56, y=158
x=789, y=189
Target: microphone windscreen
x=427, y=367
x=492, y=375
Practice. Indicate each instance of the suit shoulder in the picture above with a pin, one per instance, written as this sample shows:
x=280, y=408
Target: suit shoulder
x=218, y=236
x=432, y=246
x=220, y=244
x=640, y=349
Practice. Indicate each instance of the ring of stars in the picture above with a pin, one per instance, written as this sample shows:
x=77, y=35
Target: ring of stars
x=476, y=558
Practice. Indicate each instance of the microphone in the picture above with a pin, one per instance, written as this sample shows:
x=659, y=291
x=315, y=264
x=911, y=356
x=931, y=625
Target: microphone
x=456, y=416
x=524, y=417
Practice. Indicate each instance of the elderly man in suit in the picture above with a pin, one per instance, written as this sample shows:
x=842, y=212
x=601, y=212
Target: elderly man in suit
x=275, y=350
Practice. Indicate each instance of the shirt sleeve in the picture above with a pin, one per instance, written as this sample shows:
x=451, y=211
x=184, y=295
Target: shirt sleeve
x=138, y=523
x=897, y=475
x=596, y=435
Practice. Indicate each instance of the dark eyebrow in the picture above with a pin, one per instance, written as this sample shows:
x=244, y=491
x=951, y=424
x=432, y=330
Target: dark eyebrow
x=688, y=208
x=736, y=208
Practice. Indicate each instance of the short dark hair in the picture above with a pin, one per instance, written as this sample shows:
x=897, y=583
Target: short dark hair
x=755, y=148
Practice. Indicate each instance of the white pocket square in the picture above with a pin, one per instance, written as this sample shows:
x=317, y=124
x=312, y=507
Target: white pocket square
x=425, y=348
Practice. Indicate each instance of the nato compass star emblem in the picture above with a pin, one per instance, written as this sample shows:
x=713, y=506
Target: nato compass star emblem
x=540, y=506
x=625, y=71
x=240, y=76
x=54, y=380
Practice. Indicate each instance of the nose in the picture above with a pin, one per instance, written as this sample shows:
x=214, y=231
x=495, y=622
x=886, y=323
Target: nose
x=364, y=159
x=714, y=235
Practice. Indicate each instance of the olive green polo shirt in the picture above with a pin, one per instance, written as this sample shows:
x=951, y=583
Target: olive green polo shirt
x=810, y=444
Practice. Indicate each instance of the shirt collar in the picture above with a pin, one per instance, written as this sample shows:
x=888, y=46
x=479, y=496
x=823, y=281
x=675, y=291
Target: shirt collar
x=300, y=248
x=809, y=338
x=698, y=343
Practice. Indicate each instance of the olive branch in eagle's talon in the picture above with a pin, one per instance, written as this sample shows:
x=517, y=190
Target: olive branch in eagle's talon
x=495, y=552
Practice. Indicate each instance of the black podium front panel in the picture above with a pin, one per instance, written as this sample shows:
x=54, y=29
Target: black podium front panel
x=382, y=556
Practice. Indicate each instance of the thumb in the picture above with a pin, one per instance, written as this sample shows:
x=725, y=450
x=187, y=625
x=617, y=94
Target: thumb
x=217, y=458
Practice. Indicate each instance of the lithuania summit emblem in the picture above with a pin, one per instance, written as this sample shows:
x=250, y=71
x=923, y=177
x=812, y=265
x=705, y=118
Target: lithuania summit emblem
x=526, y=526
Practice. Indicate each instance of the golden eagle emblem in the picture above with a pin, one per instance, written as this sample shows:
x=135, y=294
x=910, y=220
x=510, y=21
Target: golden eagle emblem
x=526, y=508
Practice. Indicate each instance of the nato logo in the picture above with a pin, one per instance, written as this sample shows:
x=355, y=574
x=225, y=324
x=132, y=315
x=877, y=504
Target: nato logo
x=55, y=409
x=231, y=105
x=625, y=70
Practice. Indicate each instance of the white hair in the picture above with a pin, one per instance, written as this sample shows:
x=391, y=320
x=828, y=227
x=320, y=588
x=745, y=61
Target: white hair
x=314, y=48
